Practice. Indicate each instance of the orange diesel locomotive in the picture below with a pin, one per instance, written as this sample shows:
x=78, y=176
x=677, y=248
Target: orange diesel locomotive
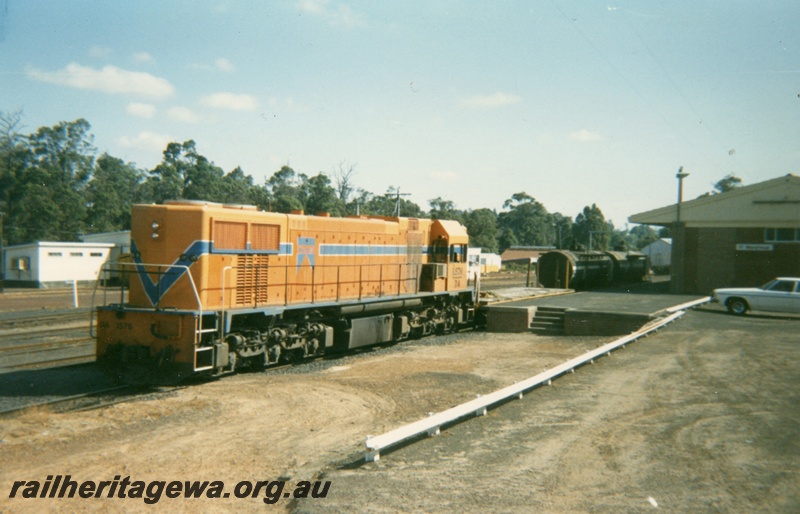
x=216, y=288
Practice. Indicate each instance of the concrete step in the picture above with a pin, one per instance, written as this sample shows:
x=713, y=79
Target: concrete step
x=548, y=321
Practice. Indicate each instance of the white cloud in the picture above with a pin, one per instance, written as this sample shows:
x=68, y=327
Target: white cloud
x=585, y=136
x=220, y=64
x=232, y=101
x=110, y=79
x=287, y=105
x=147, y=141
x=339, y=15
x=142, y=57
x=141, y=110
x=496, y=100
x=183, y=114
x=224, y=64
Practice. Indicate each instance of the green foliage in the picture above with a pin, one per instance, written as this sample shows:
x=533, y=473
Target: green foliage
x=641, y=236
x=444, y=210
x=727, y=183
x=591, y=230
x=44, y=182
x=482, y=229
x=527, y=220
x=111, y=194
x=53, y=186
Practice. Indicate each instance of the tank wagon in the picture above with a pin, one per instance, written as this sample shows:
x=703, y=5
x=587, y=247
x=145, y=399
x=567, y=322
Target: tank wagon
x=590, y=270
x=217, y=288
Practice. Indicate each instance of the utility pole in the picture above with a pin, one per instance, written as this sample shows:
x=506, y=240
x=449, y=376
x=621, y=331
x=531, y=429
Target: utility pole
x=592, y=232
x=678, y=250
x=397, y=194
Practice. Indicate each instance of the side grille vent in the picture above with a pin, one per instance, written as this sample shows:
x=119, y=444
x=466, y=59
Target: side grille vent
x=252, y=280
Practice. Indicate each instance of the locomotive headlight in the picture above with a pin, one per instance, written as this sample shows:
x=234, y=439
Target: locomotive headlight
x=155, y=225
x=155, y=236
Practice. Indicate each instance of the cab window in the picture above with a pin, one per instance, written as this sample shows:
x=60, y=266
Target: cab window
x=458, y=253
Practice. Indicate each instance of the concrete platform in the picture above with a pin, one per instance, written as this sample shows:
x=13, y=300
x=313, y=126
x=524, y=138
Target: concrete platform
x=633, y=303
x=562, y=312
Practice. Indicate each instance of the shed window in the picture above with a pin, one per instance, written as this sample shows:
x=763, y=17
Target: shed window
x=95, y=254
x=76, y=254
x=54, y=254
x=782, y=235
x=20, y=263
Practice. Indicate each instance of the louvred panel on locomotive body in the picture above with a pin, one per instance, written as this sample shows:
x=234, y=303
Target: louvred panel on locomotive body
x=239, y=257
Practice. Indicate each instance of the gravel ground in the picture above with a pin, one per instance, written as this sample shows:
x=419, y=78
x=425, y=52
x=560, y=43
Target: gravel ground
x=700, y=417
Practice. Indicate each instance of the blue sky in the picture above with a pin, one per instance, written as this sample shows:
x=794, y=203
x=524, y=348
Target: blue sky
x=573, y=102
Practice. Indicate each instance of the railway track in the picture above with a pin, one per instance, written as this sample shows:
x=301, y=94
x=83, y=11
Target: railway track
x=25, y=321
x=91, y=400
x=45, y=347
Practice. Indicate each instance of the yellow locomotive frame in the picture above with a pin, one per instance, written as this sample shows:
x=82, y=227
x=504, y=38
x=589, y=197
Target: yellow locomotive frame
x=215, y=286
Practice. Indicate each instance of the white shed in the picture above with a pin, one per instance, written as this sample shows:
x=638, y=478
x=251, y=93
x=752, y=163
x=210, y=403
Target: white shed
x=54, y=264
x=120, y=239
x=659, y=252
x=490, y=262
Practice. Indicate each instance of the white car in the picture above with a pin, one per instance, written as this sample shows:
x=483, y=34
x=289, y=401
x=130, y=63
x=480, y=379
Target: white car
x=779, y=295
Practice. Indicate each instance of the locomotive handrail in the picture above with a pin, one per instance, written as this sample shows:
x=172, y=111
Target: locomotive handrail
x=316, y=283
x=222, y=310
x=135, y=265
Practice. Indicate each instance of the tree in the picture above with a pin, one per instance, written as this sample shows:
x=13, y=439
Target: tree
x=285, y=190
x=641, y=236
x=343, y=179
x=482, y=229
x=527, y=220
x=727, y=183
x=507, y=239
x=237, y=188
x=388, y=204
x=204, y=181
x=320, y=196
x=48, y=197
x=14, y=155
x=444, y=210
x=111, y=194
x=591, y=229
x=563, y=230
x=168, y=179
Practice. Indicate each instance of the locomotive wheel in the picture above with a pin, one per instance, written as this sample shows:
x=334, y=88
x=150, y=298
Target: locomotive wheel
x=737, y=306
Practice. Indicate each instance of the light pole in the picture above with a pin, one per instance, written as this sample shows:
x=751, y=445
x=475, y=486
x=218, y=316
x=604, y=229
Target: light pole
x=677, y=240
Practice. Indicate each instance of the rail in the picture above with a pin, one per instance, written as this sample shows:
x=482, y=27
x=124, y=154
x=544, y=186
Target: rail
x=432, y=424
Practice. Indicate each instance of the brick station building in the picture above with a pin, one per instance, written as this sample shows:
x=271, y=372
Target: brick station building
x=743, y=237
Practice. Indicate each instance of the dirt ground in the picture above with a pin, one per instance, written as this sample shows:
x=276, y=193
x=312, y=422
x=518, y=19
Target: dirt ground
x=701, y=417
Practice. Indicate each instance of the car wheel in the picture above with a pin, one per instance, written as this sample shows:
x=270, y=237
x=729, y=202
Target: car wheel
x=737, y=306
